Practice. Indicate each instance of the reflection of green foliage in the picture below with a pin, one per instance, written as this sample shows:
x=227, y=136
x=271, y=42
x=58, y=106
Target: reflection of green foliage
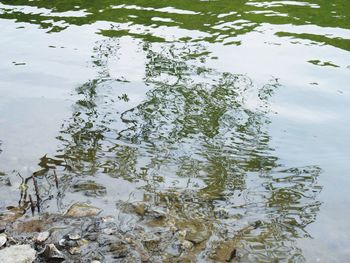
x=199, y=128
x=219, y=20
x=120, y=33
x=195, y=123
x=322, y=40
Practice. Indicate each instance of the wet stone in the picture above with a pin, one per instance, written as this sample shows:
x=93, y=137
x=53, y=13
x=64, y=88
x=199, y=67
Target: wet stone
x=108, y=231
x=196, y=232
x=18, y=254
x=152, y=243
x=140, y=209
x=225, y=252
x=187, y=245
x=92, y=236
x=90, y=188
x=82, y=210
x=174, y=250
x=119, y=250
x=74, y=250
x=42, y=237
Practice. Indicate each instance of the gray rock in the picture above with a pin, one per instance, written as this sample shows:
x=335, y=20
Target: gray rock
x=51, y=253
x=42, y=237
x=17, y=254
x=74, y=236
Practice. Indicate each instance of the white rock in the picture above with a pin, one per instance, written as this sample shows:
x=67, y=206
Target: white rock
x=74, y=236
x=3, y=239
x=17, y=254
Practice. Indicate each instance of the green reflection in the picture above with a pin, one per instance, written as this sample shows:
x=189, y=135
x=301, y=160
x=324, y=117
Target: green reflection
x=195, y=148
x=214, y=21
x=194, y=145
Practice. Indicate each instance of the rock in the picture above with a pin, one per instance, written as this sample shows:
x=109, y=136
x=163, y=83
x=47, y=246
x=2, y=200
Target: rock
x=108, y=231
x=83, y=242
x=30, y=226
x=3, y=239
x=51, y=253
x=74, y=250
x=17, y=254
x=119, y=250
x=82, y=210
x=187, y=245
x=95, y=261
x=2, y=227
x=225, y=252
x=74, y=236
x=140, y=209
x=42, y=237
x=92, y=236
x=144, y=256
x=157, y=213
x=152, y=243
x=197, y=232
x=62, y=242
x=90, y=188
x=107, y=219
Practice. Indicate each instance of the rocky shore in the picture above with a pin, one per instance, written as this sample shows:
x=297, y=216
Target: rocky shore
x=81, y=234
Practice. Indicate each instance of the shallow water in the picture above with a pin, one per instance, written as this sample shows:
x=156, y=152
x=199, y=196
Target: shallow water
x=233, y=113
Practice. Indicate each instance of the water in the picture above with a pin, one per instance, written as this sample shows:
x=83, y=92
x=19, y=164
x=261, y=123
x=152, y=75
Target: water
x=227, y=113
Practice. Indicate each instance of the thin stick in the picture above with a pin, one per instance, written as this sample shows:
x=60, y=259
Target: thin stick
x=56, y=179
x=37, y=193
x=32, y=205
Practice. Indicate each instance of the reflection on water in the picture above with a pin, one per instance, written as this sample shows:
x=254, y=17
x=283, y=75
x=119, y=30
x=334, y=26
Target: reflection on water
x=210, y=21
x=175, y=133
x=196, y=146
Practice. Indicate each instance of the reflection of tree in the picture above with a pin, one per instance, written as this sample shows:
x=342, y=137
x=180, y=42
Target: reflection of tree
x=195, y=125
x=219, y=21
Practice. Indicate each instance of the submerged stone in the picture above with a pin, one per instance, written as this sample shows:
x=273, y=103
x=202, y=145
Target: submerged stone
x=82, y=210
x=225, y=252
x=196, y=231
x=17, y=254
x=90, y=188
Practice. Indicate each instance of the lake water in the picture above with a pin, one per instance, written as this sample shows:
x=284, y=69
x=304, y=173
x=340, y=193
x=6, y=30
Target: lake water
x=227, y=113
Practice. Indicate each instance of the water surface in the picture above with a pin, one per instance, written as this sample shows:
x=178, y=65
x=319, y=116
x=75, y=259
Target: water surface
x=226, y=113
